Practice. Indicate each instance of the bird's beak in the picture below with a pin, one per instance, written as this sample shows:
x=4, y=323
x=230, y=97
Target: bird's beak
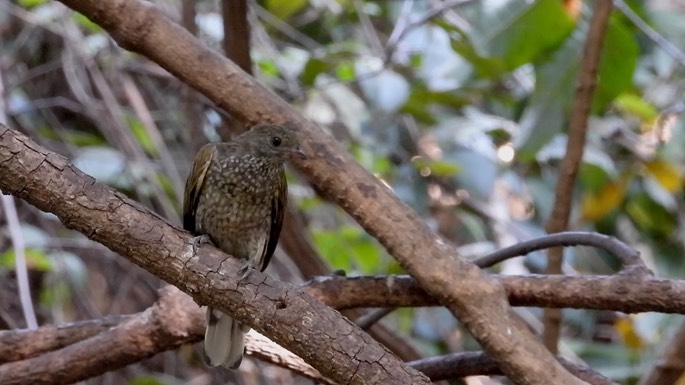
x=299, y=153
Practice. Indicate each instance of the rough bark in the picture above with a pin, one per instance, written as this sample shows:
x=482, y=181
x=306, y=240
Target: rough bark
x=476, y=299
x=287, y=315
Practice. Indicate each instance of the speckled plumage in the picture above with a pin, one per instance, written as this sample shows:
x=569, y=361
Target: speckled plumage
x=236, y=194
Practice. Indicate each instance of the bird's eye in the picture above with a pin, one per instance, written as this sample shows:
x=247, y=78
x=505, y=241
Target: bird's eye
x=276, y=141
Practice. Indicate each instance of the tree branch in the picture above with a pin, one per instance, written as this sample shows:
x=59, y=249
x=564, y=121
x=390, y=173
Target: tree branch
x=16, y=345
x=624, y=293
x=620, y=293
x=161, y=327
x=477, y=300
x=458, y=365
x=568, y=169
x=295, y=320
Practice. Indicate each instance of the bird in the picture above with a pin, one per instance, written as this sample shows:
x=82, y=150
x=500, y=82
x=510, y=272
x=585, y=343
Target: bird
x=235, y=198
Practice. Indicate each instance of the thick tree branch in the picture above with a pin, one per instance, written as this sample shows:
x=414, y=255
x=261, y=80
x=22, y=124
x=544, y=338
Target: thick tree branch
x=313, y=331
x=161, y=327
x=16, y=345
x=470, y=294
x=621, y=293
x=94, y=347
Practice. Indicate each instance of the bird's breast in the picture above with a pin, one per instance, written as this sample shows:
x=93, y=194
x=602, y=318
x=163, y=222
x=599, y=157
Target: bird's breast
x=234, y=208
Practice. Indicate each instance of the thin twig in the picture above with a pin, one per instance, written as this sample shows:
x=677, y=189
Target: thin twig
x=651, y=33
x=568, y=170
x=458, y=365
x=629, y=257
x=20, y=261
x=369, y=319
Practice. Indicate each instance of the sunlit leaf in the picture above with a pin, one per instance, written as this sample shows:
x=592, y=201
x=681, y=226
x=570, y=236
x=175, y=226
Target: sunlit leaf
x=596, y=205
x=625, y=328
x=268, y=67
x=284, y=9
x=86, y=23
x=349, y=248
x=35, y=259
x=345, y=71
x=636, y=105
x=436, y=167
x=667, y=174
x=31, y=3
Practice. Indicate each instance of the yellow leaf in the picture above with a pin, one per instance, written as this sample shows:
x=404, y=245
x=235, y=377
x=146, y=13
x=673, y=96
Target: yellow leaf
x=625, y=328
x=668, y=175
x=596, y=205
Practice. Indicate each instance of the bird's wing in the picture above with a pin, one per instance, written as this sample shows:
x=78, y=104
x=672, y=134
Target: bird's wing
x=278, y=204
x=194, y=185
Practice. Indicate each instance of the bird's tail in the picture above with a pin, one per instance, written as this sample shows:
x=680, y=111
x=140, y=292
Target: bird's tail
x=224, y=340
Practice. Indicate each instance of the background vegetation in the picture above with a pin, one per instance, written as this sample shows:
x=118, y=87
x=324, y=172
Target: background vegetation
x=461, y=107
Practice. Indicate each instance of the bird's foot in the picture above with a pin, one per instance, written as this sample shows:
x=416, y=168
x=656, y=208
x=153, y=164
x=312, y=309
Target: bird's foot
x=199, y=241
x=246, y=270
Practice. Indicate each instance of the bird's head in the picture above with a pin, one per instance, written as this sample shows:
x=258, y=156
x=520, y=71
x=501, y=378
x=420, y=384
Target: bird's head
x=273, y=141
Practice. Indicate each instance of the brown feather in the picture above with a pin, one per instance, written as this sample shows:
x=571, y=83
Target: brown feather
x=278, y=204
x=194, y=185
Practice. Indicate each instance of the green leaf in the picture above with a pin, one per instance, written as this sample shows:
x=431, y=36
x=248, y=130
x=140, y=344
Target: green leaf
x=650, y=216
x=462, y=44
x=35, y=259
x=548, y=107
x=345, y=71
x=513, y=34
x=637, y=106
x=521, y=31
x=31, y=3
x=349, y=248
x=437, y=167
x=313, y=68
x=79, y=138
x=617, y=65
x=86, y=23
x=142, y=135
x=284, y=9
x=268, y=67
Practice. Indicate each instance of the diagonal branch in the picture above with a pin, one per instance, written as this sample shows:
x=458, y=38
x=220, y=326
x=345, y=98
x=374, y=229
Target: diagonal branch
x=468, y=293
x=287, y=315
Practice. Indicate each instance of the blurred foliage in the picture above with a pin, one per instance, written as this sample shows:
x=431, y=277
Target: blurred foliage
x=463, y=114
